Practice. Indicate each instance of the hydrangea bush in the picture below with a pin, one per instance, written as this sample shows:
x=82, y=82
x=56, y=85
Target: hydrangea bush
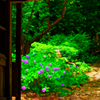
x=43, y=72
x=46, y=75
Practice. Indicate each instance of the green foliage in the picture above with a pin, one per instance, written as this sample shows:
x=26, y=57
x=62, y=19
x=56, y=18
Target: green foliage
x=79, y=16
x=50, y=83
x=56, y=40
x=43, y=48
x=70, y=78
x=81, y=42
x=69, y=52
x=78, y=27
x=40, y=12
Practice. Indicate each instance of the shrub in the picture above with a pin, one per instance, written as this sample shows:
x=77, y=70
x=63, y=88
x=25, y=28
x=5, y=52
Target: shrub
x=81, y=42
x=69, y=52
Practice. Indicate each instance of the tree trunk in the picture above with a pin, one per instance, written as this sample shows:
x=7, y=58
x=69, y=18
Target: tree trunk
x=25, y=49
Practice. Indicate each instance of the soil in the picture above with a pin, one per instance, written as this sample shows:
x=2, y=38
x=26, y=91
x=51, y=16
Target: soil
x=87, y=91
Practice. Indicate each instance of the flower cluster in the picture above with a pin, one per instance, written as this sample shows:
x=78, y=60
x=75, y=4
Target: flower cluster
x=41, y=70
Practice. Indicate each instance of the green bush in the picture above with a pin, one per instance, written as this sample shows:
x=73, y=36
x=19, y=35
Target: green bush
x=68, y=52
x=43, y=48
x=81, y=42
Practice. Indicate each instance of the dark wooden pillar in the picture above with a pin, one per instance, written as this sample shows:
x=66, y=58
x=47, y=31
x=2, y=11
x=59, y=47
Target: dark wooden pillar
x=8, y=68
x=18, y=46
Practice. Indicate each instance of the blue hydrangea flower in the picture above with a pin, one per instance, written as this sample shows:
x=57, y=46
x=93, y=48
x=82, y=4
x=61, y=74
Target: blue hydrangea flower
x=27, y=56
x=40, y=64
x=61, y=76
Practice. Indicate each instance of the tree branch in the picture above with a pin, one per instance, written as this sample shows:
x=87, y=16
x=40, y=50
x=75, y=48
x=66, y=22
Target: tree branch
x=29, y=18
x=43, y=33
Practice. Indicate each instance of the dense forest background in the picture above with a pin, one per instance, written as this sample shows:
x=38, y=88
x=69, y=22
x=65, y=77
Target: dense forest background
x=81, y=19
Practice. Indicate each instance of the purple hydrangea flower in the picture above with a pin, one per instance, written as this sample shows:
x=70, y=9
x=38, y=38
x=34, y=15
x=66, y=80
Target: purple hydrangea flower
x=62, y=84
x=47, y=69
x=53, y=72
x=26, y=61
x=26, y=69
x=23, y=87
x=54, y=68
x=57, y=68
x=44, y=56
x=27, y=56
x=40, y=64
x=49, y=75
x=23, y=77
x=34, y=61
x=76, y=66
x=22, y=60
x=50, y=64
x=33, y=53
x=63, y=71
x=44, y=89
x=39, y=72
x=57, y=78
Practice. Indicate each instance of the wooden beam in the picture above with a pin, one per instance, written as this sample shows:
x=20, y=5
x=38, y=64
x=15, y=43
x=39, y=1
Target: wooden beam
x=1, y=27
x=21, y=1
